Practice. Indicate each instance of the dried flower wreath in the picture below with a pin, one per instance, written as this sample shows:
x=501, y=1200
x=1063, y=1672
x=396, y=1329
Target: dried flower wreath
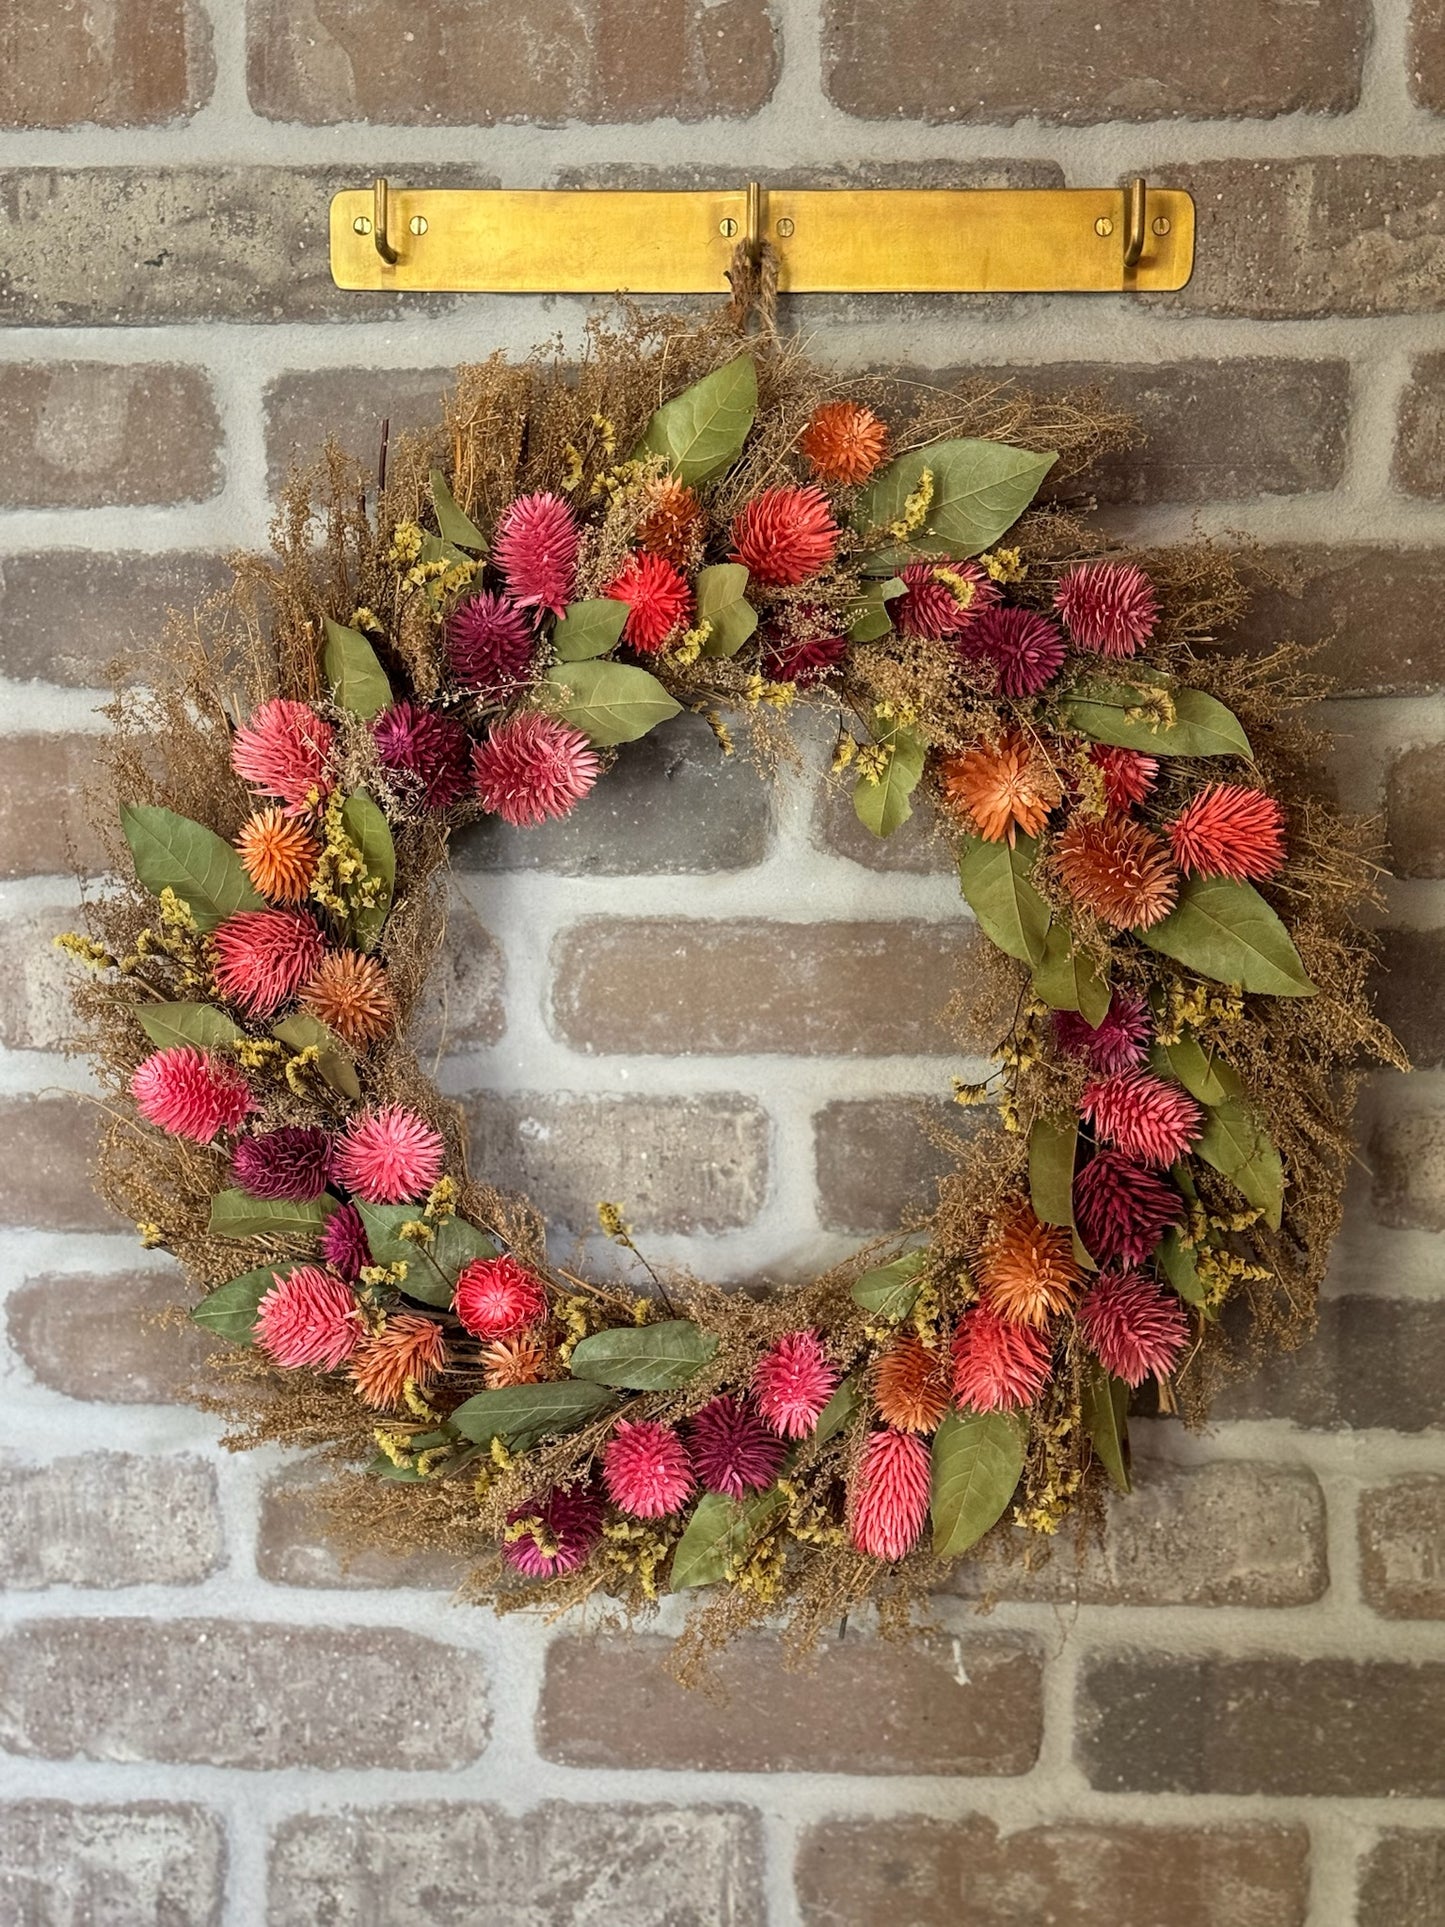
x=687, y=519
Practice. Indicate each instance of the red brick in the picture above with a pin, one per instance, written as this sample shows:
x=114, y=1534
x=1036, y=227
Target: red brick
x=713, y=986
x=1416, y=824
x=1376, y=610
x=110, y=1866
x=132, y=63
x=105, y=1519
x=223, y=1692
x=603, y=61
x=295, y=1548
x=65, y=614
x=120, y=1338
x=1409, y=988
x=966, y=1873
x=1372, y=1362
x=46, y=1147
x=874, y=1161
x=1407, y=1166
x=1048, y=59
x=970, y=1705
x=89, y=434
x=1420, y=437
x=47, y=817
x=1426, y=55
x=1402, y=1547
x=1402, y=1880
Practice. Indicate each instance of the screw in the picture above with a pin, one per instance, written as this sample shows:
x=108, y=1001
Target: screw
x=362, y=224
x=785, y=227
x=1104, y=227
x=1161, y=225
x=727, y=227
x=417, y=224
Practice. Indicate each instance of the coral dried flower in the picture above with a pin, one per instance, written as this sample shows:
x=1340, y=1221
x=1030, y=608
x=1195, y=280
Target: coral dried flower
x=428, y=756
x=498, y=1297
x=1142, y=1115
x=1128, y=774
x=1005, y=787
x=284, y=750
x=563, y=1528
x=191, y=1093
x=409, y=1349
x=1133, y=1327
x=1122, y=1209
x=910, y=1387
x=1029, y=1270
x=343, y=1243
x=512, y=1361
x=941, y=600
x=793, y=1382
x=291, y=1163
x=889, y=1501
x=658, y=598
x=490, y=645
x=1118, y=871
x=1109, y=607
x=1118, y=1042
x=535, y=548
x=351, y=995
x=672, y=524
x=533, y=767
x=785, y=535
x=1026, y=649
x=998, y=1365
x=844, y=442
x=309, y=1318
x=279, y=855
x=733, y=1451
x=262, y=958
x=1228, y=830
x=390, y=1156
x=646, y=1469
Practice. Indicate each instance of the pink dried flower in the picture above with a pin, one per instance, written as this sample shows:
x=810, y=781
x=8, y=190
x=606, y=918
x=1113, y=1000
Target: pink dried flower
x=390, y=1156
x=1119, y=1042
x=497, y=1297
x=427, y=755
x=535, y=549
x=309, y=1318
x=1133, y=1327
x=533, y=767
x=941, y=599
x=1142, y=1115
x=733, y=1450
x=343, y=1243
x=1229, y=830
x=1025, y=648
x=565, y=1526
x=191, y=1093
x=998, y=1365
x=1122, y=1209
x=292, y=1163
x=262, y=958
x=889, y=1501
x=793, y=1383
x=1109, y=607
x=283, y=750
x=645, y=1469
x=490, y=645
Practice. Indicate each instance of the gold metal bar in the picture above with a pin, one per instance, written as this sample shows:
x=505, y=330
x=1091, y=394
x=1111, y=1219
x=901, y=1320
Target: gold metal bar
x=1015, y=240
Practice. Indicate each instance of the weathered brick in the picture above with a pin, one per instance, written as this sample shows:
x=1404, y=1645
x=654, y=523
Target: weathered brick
x=1413, y=788
x=294, y=1547
x=66, y=614
x=462, y=1006
x=1426, y=54
x=46, y=1145
x=587, y=1866
x=35, y=980
x=1372, y=1362
x=119, y=1338
x=944, y=1873
x=935, y=1705
x=750, y=984
x=1227, y=1534
x=918, y=847
x=1407, y=1159
x=874, y=1161
x=111, y=1866
x=1345, y=234
x=1402, y=1881
x=47, y=825
x=133, y=63
x=222, y=1692
x=1420, y=435
x=675, y=1164
x=305, y=408
x=1376, y=610
x=108, y=1519
x=1150, y=1723
x=1050, y=61
x=606, y=61
x=1410, y=993
x=89, y=434
x=1402, y=1547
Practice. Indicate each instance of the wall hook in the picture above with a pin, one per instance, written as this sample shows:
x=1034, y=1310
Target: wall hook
x=380, y=208
x=1136, y=203
x=753, y=224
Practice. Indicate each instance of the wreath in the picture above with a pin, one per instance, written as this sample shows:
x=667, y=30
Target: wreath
x=689, y=517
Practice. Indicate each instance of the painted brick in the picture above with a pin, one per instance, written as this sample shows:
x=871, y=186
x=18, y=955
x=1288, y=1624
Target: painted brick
x=306, y=408
x=1407, y=1159
x=1413, y=788
x=1410, y=993
x=600, y=62
x=294, y=1547
x=945, y=1873
x=557, y=1866
x=1426, y=55
x=132, y=63
x=1149, y=1723
x=688, y=984
x=1376, y=610
x=110, y=1866
x=65, y=614
x=1402, y=1881
x=89, y=434
x=46, y=1146
x=462, y=1006
x=970, y=1705
x=1420, y=436
x=1372, y=1362
x=108, y=1519
x=675, y=1164
x=1050, y=61
x=47, y=826
x=1402, y=1547
x=1228, y=1534
x=222, y=1692
x=874, y=1162
x=119, y=1338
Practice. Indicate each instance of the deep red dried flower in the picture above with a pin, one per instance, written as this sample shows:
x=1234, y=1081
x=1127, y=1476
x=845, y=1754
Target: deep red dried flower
x=1025, y=649
x=889, y=1501
x=262, y=958
x=1142, y=1115
x=1122, y=1209
x=390, y=1156
x=1133, y=1327
x=804, y=658
x=844, y=442
x=941, y=599
x=533, y=767
x=309, y=1318
x=191, y=1093
x=293, y=1162
x=490, y=645
x=785, y=535
x=409, y=1349
x=998, y=1365
x=283, y=750
x=658, y=597
x=427, y=755
x=1119, y=1042
x=535, y=548
x=1228, y=830
x=1118, y=871
x=733, y=1451
x=792, y=1383
x=1109, y=607
x=343, y=1243
x=564, y=1526
x=1128, y=774
x=645, y=1468
x=497, y=1297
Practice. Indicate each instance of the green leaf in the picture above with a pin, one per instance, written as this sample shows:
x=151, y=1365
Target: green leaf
x=358, y=682
x=173, y=853
x=611, y=702
x=1009, y=909
x=701, y=431
x=1177, y=1264
x=888, y=1291
x=231, y=1309
x=588, y=629
x=883, y=806
x=1236, y=1143
x=1198, y=1067
x=1227, y=931
x=455, y=526
x=369, y=830
x=1069, y=979
x=980, y=489
x=431, y=1269
x=722, y=603
x=236, y=1214
x=977, y=1459
x=1201, y=727
x=523, y=1414
x=868, y=618
x=381, y=1467
x=1053, y=1147
x=644, y=1358
x=199, y=1024
x=1104, y=1407
x=837, y=1413
x=301, y=1031
x=720, y=1532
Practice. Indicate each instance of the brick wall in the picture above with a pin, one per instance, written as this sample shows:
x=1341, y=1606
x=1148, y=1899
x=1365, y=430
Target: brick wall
x=1230, y=1713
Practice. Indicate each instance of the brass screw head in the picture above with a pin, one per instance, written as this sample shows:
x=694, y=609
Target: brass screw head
x=1103, y=227
x=1161, y=224
x=785, y=227
x=417, y=224
x=727, y=227
x=362, y=224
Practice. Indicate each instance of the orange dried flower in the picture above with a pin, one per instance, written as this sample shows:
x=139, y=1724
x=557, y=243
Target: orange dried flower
x=512, y=1361
x=911, y=1386
x=1005, y=787
x=408, y=1347
x=844, y=441
x=279, y=855
x=1120, y=871
x=350, y=993
x=673, y=522
x=1029, y=1270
